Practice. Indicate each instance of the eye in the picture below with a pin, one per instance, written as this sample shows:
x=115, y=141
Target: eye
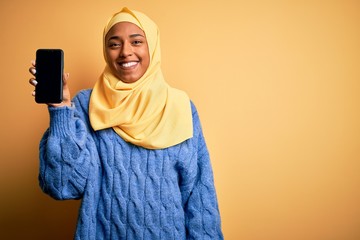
x=137, y=42
x=114, y=45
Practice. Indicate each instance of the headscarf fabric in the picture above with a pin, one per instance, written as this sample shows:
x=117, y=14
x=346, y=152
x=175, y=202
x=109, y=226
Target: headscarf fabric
x=148, y=113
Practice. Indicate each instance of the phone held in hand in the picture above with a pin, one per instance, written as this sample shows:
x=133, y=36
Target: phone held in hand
x=49, y=75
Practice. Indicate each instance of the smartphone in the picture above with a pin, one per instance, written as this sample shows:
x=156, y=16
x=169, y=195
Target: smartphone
x=49, y=75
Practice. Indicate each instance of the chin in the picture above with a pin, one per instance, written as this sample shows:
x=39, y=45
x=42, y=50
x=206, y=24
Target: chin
x=128, y=80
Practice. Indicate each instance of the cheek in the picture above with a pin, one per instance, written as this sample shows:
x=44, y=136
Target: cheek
x=146, y=58
x=146, y=65
x=110, y=56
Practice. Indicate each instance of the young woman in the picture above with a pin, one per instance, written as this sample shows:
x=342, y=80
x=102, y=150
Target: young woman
x=131, y=148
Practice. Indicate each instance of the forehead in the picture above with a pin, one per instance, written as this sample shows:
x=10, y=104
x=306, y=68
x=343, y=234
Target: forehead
x=124, y=29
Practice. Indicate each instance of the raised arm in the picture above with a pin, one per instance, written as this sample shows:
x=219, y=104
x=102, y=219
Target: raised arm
x=67, y=152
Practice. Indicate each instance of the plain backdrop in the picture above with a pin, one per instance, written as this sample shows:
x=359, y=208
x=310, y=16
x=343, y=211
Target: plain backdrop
x=276, y=84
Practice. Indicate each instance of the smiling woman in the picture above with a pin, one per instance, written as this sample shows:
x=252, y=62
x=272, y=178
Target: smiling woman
x=132, y=148
x=127, y=52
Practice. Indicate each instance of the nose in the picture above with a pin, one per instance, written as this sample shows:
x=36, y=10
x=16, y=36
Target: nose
x=126, y=50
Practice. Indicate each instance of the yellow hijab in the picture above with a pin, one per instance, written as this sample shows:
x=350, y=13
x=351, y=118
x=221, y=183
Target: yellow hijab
x=148, y=113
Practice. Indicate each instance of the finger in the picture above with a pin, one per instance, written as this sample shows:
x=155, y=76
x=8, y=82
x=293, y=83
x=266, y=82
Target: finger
x=32, y=70
x=33, y=63
x=33, y=93
x=65, y=78
x=33, y=82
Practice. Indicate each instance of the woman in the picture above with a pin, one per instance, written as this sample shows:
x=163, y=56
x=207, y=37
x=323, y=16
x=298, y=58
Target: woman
x=131, y=148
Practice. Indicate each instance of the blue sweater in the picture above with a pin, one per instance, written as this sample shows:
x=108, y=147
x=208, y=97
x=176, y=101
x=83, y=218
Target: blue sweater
x=128, y=192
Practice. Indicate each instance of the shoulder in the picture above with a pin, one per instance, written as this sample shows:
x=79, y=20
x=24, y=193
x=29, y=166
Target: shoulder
x=83, y=95
x=194, y=111
x=81, y=100
x=195, y=118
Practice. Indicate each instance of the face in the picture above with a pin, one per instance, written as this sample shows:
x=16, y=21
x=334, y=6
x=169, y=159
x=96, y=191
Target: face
x=127, y=51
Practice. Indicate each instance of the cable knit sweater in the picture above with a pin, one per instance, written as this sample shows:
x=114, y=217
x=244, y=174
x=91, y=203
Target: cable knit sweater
x=128, y=192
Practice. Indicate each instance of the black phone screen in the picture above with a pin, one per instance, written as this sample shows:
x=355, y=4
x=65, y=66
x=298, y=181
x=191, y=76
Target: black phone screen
x=49, y=74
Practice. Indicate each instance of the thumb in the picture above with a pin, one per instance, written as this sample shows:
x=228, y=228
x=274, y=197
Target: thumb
x=65, y=78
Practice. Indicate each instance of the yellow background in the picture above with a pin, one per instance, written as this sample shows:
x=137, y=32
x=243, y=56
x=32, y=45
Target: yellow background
x=276, y=84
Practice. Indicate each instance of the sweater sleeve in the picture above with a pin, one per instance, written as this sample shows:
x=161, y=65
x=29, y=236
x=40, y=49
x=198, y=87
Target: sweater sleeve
x=202, y=214
x=66, y=150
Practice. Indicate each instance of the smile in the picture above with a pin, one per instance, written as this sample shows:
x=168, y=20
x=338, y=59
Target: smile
x=128, y=64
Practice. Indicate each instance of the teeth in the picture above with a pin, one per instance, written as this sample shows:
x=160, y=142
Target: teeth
x=128, y=64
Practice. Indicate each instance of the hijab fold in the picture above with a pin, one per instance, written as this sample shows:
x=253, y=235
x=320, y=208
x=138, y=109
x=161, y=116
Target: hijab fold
x=148, y=113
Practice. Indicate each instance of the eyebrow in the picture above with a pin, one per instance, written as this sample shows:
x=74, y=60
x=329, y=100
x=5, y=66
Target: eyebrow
x=131, y=36
x=136, y=35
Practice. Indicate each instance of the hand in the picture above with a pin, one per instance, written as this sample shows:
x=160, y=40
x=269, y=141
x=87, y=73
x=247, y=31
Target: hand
x=66, y=92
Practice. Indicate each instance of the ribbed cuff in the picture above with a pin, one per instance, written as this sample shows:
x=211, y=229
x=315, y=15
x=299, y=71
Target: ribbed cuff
x=61, y=119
